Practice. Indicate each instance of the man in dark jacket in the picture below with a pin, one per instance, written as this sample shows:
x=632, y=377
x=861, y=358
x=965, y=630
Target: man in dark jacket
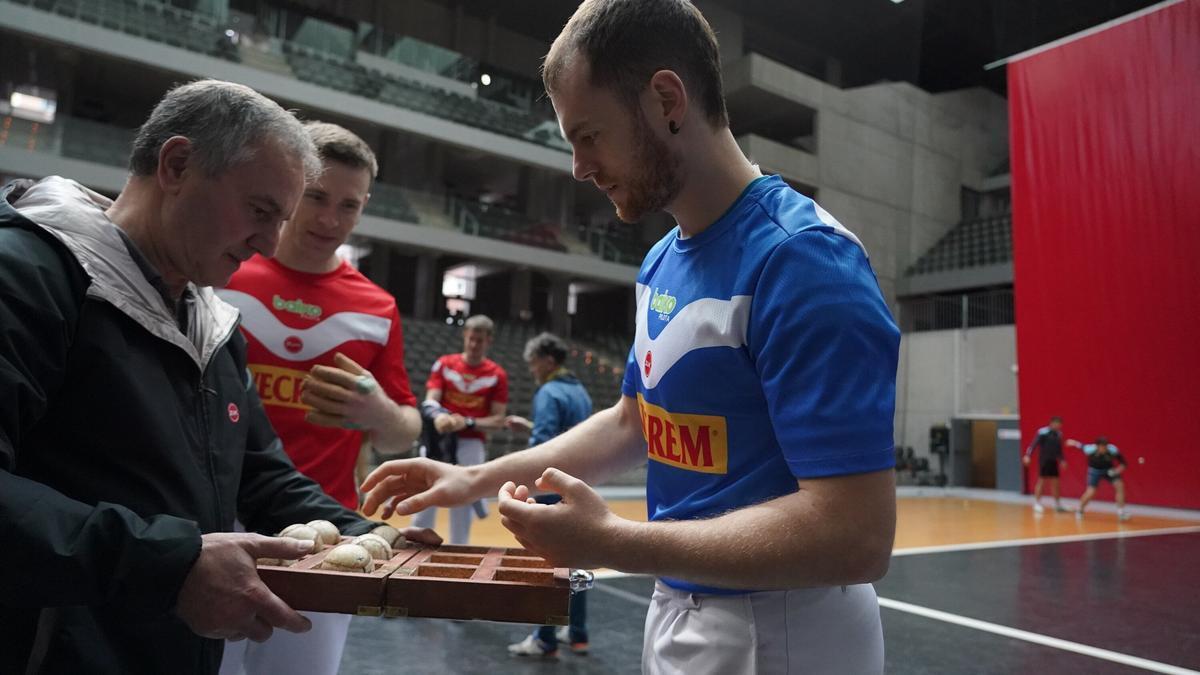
x=560, y=403
x=130, y=433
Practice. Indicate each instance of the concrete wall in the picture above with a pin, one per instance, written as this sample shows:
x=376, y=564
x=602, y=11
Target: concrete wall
x=953, y=372
x=890, y=159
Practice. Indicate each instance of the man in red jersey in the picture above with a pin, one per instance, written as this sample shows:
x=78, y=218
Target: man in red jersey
x=310, y=320
x=473, y=393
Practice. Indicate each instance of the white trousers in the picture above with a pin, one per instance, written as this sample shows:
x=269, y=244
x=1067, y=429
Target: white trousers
x=470, y=453
x=317, y=652
x=812, y=630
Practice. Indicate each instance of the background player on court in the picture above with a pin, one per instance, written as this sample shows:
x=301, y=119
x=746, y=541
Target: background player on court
x=1105, y=462
x=473, y=392
x=560, y=403
x=1048, y=442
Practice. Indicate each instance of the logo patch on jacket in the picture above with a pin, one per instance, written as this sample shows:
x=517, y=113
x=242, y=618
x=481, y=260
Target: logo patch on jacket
x=234, y=414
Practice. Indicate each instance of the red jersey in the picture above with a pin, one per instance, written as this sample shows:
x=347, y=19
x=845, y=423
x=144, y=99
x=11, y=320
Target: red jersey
x=468, y=390
x=295, y=320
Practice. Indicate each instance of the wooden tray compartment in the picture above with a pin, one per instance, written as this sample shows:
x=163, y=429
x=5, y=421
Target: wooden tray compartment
x=302, y=586
x=446, y=582
x=505, y=584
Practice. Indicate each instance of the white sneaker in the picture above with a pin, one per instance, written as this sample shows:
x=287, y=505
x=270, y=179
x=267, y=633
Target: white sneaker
x=563, y=634
x=1060, y=508
x=1123, y=516
x=1038, y=508
x=531, y=646
x=1078, y=514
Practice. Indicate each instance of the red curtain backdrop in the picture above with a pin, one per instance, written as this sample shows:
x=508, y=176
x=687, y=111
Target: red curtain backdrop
x=1105, y=146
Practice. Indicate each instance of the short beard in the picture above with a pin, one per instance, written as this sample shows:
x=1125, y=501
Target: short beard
x=657, y=182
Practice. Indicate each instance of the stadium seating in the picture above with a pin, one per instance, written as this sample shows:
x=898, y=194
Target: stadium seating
x=148, y=19
x=971, y=243
x=199, y=32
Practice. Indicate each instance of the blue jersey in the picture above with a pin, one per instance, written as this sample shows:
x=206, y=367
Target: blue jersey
x=764, y=354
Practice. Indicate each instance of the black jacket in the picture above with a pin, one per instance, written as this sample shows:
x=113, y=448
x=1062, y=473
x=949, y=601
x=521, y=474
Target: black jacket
x=121, y=441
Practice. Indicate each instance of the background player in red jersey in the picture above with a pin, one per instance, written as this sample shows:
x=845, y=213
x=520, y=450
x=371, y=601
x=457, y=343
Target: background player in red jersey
x=473, y=393
x=310, y=319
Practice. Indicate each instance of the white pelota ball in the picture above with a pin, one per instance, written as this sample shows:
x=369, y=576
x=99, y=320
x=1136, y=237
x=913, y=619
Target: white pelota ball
x=376, y=545
x=302, y=532
x=328, y=532
x=347, y=558
x=390, y=534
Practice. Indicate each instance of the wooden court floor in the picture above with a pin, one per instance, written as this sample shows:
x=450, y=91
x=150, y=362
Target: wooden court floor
x=963, y=594
x=920, y=522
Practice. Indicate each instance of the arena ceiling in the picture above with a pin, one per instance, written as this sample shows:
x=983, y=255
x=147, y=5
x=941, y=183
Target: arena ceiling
x=938, y=45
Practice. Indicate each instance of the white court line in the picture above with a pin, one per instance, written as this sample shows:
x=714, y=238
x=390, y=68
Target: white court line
x=976, y=624
x=974, y=546
x=1036, y=638
x=625, y=595
x=1033, y=541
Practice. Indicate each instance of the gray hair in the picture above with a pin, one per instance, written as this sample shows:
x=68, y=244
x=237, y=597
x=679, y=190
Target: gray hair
x=226, y=123
x=480, y=322
x=546, y=344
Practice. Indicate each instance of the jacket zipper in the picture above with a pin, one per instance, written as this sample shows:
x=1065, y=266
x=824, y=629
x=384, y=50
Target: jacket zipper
x=206, y=421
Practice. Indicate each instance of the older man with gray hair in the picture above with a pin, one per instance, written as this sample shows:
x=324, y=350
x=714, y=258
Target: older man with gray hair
x=130, y=435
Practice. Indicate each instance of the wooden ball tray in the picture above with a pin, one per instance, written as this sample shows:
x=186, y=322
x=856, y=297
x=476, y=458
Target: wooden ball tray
x=445, y=582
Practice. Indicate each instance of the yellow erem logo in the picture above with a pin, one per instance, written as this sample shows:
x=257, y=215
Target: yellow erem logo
x=462, y=400
x=278, y=386
x=692, y=442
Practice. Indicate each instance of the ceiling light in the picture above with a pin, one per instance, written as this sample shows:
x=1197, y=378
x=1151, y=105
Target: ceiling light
x=32, y=103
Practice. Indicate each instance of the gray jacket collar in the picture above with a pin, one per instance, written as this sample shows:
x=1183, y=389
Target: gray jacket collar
x=76, y=216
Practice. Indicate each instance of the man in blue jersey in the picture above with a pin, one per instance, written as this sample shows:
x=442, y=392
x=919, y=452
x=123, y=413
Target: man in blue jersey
x=760, y=385
x=1048, y=443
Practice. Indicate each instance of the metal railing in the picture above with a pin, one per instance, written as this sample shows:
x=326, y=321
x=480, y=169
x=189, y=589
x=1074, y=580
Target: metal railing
x=161, y=22
x=110, y=145
x=69, y=137
x=960, y=310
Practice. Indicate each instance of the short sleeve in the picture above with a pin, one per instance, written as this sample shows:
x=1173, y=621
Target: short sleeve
x=630, y=381
x=825, y=348
x=388, y=367
x=436, y=379
x=500, y=393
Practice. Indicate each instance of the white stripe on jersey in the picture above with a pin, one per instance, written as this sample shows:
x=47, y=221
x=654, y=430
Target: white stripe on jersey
x=474, y=386
x=827, y=218
x=317, y=339
x=707, y=322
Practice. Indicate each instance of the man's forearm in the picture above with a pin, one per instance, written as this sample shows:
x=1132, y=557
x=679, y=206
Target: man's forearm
x=401, y=427
x=491, y=422
x=804, y=539
x=597, y=448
